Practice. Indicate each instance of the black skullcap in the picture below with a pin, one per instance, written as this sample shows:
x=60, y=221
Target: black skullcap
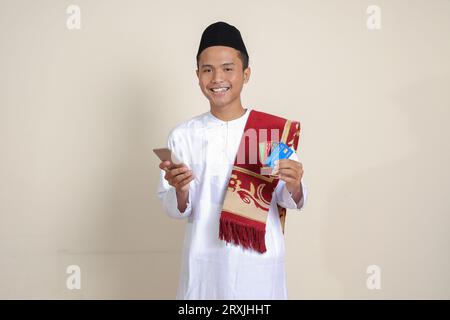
x=221, y=34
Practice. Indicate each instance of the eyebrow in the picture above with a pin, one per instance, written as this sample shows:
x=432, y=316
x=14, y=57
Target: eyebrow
x=223, y=64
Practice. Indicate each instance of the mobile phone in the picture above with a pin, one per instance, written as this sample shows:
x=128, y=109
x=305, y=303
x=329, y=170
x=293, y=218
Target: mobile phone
x=165, y=154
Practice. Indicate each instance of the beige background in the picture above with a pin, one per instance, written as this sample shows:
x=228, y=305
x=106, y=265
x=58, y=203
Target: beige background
x=80, y=111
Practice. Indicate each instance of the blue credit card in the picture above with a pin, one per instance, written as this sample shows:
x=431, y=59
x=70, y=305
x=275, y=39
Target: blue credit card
x=281, y=151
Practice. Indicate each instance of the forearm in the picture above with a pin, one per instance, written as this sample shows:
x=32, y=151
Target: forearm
x=182, y=199
x=297, y=194
x=169, y=200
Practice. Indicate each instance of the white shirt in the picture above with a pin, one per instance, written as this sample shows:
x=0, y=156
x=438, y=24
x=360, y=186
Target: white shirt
x=212, y=268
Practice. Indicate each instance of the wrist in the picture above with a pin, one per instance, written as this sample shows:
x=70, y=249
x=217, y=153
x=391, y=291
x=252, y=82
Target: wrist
x=296, y=192
x=294, y=189
x=182, y=193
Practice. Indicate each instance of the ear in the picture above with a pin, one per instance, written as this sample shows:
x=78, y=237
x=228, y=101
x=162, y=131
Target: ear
x=247, y=73
x=198, y=77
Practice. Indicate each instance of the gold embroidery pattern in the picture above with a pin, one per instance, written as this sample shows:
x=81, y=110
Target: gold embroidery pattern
x=296, y=134
x=267, y=179
x=287, y=127
x=251, y=195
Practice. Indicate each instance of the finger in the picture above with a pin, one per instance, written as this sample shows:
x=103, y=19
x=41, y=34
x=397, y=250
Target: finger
x=185, y=181
x=164, y=164
x=289, y=176
x=288, y=179
x=289, y=171
x=182, y=176
x=288, y=163
x=178, y=165
x=177, y=171
x=295, y=172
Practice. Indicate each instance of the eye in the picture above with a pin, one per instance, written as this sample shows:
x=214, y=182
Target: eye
x=228, y=69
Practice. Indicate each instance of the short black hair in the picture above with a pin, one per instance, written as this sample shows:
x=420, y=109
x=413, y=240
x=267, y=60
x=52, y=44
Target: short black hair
x=241, y=55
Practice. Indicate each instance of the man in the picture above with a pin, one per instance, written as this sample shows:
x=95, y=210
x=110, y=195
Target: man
x=234, y=243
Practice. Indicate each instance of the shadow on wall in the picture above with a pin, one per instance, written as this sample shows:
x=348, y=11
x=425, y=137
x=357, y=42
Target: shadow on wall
x=396, y=216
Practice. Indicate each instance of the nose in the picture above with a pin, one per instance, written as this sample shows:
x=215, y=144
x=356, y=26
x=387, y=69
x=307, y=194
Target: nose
x=217, y=76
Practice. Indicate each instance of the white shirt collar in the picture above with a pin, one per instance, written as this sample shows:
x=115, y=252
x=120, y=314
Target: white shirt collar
x=237, y=120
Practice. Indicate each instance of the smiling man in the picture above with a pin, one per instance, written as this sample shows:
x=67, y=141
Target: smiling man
x=234, y=242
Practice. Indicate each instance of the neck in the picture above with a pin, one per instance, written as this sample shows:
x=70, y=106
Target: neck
x=229, y=112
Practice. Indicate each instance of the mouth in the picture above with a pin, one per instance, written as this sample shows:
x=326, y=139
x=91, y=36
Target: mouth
x=219, y=90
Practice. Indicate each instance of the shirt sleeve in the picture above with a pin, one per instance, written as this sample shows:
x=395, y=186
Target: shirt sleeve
x=167, y=193
x=284, y=197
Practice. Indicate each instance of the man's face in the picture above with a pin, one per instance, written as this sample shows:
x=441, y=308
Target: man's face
x=220, y=75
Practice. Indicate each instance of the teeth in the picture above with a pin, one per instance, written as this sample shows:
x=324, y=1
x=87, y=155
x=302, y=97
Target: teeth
x=219, y=89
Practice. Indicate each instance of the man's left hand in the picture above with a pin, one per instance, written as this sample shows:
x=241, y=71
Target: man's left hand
x=291, y=172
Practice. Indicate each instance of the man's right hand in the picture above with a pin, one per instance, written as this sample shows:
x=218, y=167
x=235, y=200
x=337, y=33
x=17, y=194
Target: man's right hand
x=179, y=176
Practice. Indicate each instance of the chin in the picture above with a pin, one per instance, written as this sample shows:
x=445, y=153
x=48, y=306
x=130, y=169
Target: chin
x=218, y=102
